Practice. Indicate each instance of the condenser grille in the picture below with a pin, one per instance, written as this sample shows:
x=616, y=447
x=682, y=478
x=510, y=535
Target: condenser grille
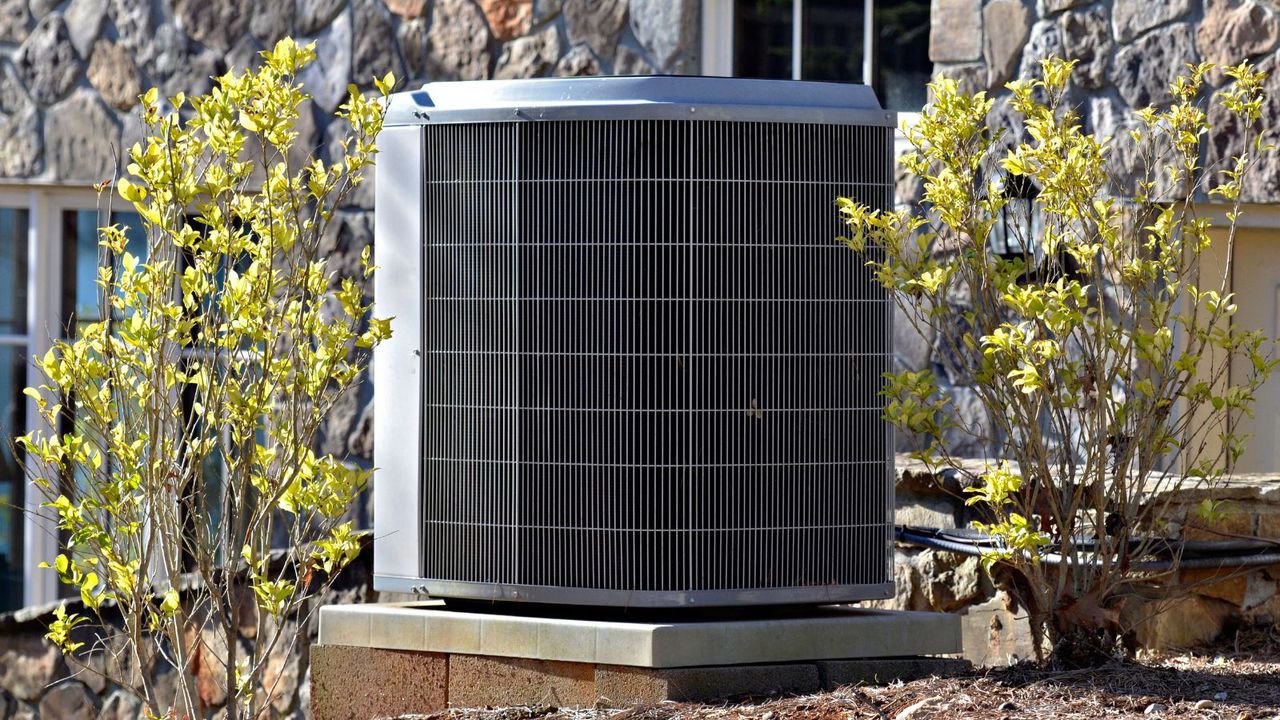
x=647, y=364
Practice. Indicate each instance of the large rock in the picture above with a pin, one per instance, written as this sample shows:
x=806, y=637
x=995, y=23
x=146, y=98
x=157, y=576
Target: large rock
x=133, y=22
x=1126, y=158
x=969, y=77
x=282, y=670
x=69, y=701
x=631, y=62
x=120, y=705
x=246, y=54
x=508, y=19
x=1007, y=23
x=47, y=62
x=272, y=20
x=1045, y=42
x=457, y=42
x=911, y=351
x=310, y=142
x=327, y=78
x=13, y=96
x=1184, y=622
x=1262, y=183
x=1048, y=7
x=348, y=233
x=1134, y=17
x=412, y=35
x=28, y=663
x=215, y=24
x=84, y=20
x=1143, y=70
x=360, y=196
x=360, y=441
x=666, y=28
x=81, y=137
x=1233, y=30
x=993, y=634
x=175, y=64
x=312, y=16
x=373, y=55
x=973, y=424
x=15, y=21
x=112, y=72
x=544, y=10
x=955, y=30
x=596, y=23
x=577, y=62
x=21, y=155
x=408, y=9
x=1086, y=37
x=530, y=56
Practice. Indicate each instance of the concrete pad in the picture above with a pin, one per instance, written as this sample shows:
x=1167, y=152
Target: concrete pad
x=480, y=681
x=826, y=633
x=355, y=683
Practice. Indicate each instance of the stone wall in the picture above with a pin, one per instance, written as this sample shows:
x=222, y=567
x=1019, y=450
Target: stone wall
x=71, y=70
x=1128, y=52
x=1214, y=603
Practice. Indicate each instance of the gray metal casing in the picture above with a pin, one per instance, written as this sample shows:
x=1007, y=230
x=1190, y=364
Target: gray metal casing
x=439, y=188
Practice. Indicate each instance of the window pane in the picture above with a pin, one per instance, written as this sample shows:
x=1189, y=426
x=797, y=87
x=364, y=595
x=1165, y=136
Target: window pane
x=832, y=40
x=762, y=38
x=13, y=271
x=13, y=421
x=902, y=53
x=80, y=259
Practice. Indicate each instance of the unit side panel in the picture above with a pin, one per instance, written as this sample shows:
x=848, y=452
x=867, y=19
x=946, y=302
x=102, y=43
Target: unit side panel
x=397, y=362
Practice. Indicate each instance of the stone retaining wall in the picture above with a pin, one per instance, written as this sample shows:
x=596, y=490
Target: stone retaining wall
x=995, y=632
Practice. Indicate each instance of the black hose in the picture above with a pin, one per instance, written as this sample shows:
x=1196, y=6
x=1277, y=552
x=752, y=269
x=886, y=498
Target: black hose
x=932, y=538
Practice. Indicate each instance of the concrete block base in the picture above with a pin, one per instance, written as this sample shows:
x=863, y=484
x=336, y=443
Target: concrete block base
x=350, y=683
x=388, y=660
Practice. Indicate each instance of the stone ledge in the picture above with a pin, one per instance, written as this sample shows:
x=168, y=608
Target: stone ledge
x=827, y=633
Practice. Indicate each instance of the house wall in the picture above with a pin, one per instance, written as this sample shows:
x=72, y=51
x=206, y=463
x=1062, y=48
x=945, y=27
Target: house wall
x=1128, y=52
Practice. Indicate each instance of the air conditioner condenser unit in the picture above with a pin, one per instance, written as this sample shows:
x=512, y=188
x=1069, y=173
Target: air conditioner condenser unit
x=630, y=365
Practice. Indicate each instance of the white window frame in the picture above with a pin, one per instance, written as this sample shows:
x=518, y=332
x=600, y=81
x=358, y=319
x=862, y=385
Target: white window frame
x=717, y=38
x=44, y=206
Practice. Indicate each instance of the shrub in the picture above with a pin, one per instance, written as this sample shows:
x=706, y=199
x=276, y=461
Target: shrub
x=224, y=345
x=1100, y=352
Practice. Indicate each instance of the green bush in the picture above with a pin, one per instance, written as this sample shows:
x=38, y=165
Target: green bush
x=201, y=391
x=1100, y=353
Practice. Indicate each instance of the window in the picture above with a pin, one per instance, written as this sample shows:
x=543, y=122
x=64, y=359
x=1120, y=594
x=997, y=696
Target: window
x=13, y=378
x=883, y=43
x=48, y=266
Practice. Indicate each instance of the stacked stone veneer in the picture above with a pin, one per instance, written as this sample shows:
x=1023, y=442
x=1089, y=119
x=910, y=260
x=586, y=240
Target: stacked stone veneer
x=1128, y=52
x=71, y=71
x=1204, y=606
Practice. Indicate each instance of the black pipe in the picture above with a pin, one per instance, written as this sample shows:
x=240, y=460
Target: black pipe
x=932, y=538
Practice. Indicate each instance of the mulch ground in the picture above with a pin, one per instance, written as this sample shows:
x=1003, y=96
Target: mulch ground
x=1204, y=686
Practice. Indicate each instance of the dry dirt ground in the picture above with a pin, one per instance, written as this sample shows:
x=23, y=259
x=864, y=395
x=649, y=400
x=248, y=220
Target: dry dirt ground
x=1206, y=686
